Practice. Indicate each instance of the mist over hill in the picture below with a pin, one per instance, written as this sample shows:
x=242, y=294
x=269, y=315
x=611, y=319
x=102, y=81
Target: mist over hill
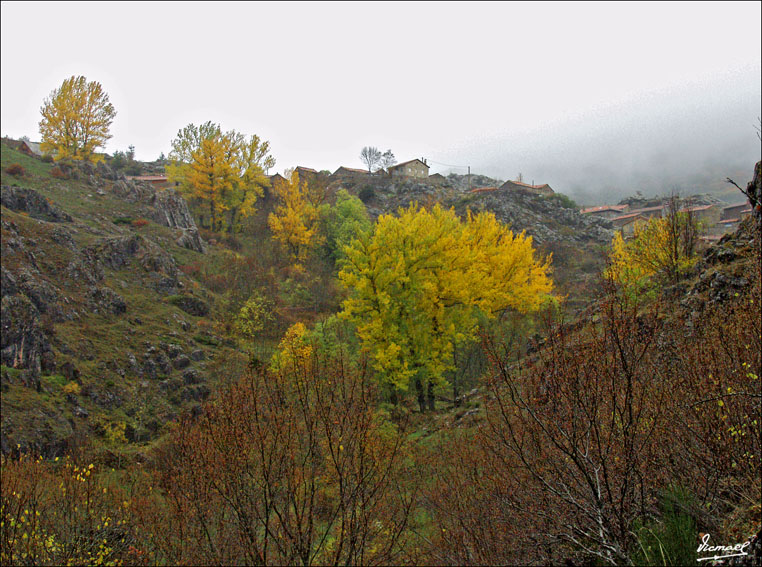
x=689, y=140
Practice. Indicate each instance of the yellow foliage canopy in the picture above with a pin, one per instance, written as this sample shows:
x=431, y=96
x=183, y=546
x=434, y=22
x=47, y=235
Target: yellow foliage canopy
x=222, y=172
x=75, y=120
x=659, y=252
x=419, y=280
x=295, y=221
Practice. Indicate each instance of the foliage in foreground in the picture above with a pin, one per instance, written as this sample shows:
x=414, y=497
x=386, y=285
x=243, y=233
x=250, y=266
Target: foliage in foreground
x=584, y=443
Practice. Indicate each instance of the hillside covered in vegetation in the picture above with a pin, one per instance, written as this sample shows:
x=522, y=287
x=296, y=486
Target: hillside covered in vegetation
x=364, y=370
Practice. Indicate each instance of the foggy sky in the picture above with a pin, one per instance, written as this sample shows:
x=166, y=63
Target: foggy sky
x=596, y=99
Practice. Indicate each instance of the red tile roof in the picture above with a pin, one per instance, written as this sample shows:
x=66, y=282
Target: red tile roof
x=696, y=208
x=628, y=218
x=483, y=190
x=601, y=208
x=648, y=209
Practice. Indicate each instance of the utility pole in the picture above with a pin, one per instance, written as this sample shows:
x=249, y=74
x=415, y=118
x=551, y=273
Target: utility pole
x=469, y=177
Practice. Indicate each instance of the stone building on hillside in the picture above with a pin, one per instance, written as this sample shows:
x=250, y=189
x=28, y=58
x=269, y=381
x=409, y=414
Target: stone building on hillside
x=708, y=214
x=521, y=187
x=626, y=223
x=735, y=212
x=415, y=168
x=650, y=212
x=30, y=148
x=306, y=173
x=345, y=172
x=159, y=181
x=606, y=211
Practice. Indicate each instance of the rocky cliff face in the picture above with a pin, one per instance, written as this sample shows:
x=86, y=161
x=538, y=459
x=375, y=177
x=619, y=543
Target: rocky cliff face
x=95, y=301
x=544, y=218
x=165, y=207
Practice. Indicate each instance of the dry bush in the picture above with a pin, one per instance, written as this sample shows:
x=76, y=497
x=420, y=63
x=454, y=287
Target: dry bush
x=16, y=169
x=62, y=513
x=287, y=467
x=583, y=441
x=58, y=173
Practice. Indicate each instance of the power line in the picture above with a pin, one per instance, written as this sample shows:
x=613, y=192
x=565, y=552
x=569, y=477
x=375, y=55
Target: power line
x=448, y=164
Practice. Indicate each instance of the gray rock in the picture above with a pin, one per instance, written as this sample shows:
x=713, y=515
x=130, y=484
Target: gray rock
x=107, y=300
x=8, y=285
x=191, y=239
x=181, y=362
x=191, y=376
x=22, y=344
x=191, y=305
x=80, y=412
x=29, y=201
x=197, y=393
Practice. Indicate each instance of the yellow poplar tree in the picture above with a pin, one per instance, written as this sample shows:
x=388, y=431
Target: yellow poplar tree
x=210, y=177
x=76, y=119
x=660, y=252
x=294, y=223
x=224, y=173
x=418, y=281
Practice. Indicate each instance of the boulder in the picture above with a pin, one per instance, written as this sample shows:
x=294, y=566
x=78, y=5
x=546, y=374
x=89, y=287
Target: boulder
x=191, y=305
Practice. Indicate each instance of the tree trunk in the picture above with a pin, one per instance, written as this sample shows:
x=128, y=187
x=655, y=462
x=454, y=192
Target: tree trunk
x=421, y=395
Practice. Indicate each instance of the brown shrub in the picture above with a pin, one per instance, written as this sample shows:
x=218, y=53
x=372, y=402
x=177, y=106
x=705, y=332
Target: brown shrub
x=138, y=223
x=584, y=438
x=58, y=173
x=291, y=467
x=16, y=169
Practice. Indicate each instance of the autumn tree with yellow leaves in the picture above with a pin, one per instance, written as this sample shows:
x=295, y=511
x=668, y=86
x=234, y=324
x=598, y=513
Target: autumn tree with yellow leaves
x=222, y=173
x=76, y=118
x=295, y=221
x=418, y=282
x=661, y=252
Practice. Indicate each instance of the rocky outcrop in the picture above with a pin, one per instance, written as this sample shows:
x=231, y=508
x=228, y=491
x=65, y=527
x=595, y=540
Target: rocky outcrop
x=191, y=239
x=165, y=207
x=191, y=305
x=117, y=252
x=29, y=201
x=23, y=345
x=544, y=218
x=106, y=300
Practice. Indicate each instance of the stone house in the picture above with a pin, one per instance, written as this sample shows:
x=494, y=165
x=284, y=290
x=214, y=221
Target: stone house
x=520, y=187
x=650, y=212
x=344, y=172
x=437, y=178
x=155, y=180
x=306, y=173
x=30, y=148
x=606, y=211
x=626, y=223
x=415, y=168
x=735, y=212
x=708, y=214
